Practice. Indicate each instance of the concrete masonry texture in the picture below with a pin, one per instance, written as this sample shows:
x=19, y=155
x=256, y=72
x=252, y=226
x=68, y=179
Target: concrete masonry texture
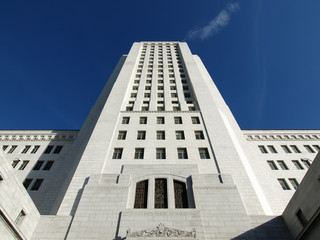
x=231, y=191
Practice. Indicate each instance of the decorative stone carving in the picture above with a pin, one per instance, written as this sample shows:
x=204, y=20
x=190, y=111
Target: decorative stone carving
x=161, y=231
x=31, y=137
x=285, y=137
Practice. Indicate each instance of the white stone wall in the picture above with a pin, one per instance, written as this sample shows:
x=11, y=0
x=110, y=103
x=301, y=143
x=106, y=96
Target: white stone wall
x=306, y=199
x=276, y=196
x=91, y=195
x=14, y=199
x=53, y=178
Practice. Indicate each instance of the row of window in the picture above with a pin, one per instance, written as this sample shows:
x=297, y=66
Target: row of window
x=283, y=183
x=160, y=60
x=35, y=148
x=160, y=108
x=161, y=194
x=159, y=94
x=36, y=184
x=283, y=165
x=37, y=166
x=171, y=81
x=288, y=149
x=161, y=153
x=160, y=120
x=161, y=135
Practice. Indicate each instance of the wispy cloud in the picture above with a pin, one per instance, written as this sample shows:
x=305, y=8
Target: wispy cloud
x=215, y=25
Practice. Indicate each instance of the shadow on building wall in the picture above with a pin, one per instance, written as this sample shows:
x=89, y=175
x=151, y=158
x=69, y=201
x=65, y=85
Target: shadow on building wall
x=274, y=229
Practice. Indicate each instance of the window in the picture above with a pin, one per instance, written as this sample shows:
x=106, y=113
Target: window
x=122, y=135
x=160, y=193
x=161, y=153
x=147, y=95
x=15, y=163
x=135, y=88
x=282, y=165
x=38, y=165
x=317, y=147
x=147, y=88
x=263, y=149
x=272, y=149
x=180, y=135
x=309, y=149
x=117, y=153
x=141, y=197
x=297, y=164
x=294, y=183
x=204, y=153
x=160, y=108
x=180, y=194
x=48, y=149
x=27, y=182
x=129, y=108
x=295, y=148
x=182, y=153
x=283, y=184
x=133, y=95
x=272, y=165
x=37, y=184
x=139, y=153
x=141, y=135
x=285, y=149
x=199, y=135
x=57, y=150
x=48, y=165
x=35, y=149
x=4, y=147
x=195, y=120
x=160, y=120
x=125, y=120
x=160, y=87
x=302, y=219
x=20, y=217
x=144, y=108
x=187, y=95
x=143, y=120
x=174, y=95
x=23, y=165
x=11, y=150
x=161, y=135
x=177, y=120
x=306, y=162
x=26, y=149
x=160, y=95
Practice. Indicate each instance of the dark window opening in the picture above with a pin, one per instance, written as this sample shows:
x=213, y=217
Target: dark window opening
x=160, y=193
x=141, y=197
x=180, y=195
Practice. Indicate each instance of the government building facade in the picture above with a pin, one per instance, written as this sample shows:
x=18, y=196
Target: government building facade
x=160, y=156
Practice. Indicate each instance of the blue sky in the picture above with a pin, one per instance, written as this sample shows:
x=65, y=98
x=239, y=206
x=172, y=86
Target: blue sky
x=264, y=56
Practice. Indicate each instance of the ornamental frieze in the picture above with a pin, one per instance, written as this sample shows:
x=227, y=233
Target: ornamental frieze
x=285, y=137
x=161, y=231
x=37, y=137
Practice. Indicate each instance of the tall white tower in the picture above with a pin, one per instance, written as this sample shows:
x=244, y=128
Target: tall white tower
x=159, y=156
